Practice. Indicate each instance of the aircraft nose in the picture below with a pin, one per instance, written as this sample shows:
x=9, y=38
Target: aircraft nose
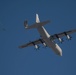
x=60, y=53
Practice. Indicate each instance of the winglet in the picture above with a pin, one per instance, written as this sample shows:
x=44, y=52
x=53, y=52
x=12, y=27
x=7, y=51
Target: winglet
x=37, y=19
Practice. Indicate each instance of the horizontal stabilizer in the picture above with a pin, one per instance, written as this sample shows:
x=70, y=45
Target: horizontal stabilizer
x=37, y=24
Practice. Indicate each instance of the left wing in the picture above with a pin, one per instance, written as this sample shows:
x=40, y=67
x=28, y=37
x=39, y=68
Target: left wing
x=66, y=33
x=33, y=43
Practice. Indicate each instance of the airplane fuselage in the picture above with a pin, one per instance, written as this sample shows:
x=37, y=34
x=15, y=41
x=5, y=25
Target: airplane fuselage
x=50, y=43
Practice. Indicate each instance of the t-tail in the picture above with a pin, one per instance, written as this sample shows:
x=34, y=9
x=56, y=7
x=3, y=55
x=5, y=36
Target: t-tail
x=35, y=25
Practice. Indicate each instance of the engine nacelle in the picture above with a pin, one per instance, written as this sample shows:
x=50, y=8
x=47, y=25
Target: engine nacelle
x=36, y=46
x=60, y=40
x=68, y=36
x=44, y=44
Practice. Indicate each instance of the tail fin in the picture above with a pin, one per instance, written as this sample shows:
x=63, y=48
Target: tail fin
x=37, y=24
x=37, y=19
x=25, y=24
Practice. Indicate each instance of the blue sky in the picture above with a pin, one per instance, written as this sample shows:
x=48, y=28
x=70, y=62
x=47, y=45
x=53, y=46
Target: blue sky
x=28, y=61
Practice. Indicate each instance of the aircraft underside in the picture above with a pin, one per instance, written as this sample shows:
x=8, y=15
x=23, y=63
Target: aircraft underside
x=50, y=43
x=46, y=39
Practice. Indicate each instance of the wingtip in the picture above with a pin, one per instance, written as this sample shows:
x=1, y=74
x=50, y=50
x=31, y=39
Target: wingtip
x=20, y=47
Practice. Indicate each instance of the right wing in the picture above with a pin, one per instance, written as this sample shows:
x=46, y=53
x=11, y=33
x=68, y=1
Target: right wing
x=55, y=36
x=39, y=41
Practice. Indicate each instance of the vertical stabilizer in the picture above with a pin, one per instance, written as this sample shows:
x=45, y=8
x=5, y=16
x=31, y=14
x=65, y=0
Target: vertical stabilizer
x=25, y=24
x=37, y=19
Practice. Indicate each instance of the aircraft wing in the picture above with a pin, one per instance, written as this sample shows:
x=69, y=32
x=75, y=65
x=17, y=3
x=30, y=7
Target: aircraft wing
x=56, y=36
x=31, y=43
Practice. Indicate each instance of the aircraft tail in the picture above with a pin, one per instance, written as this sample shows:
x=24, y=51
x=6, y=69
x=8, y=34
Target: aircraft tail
x=26, y=24
x=36, y=25
x=37, y=19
